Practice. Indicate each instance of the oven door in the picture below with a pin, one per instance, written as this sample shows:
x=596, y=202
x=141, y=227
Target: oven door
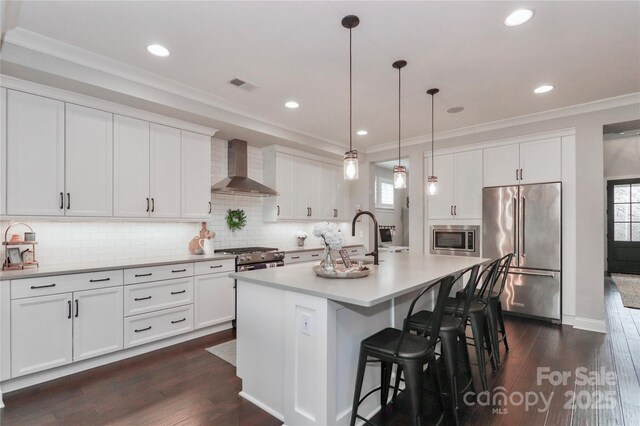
x=263, y=265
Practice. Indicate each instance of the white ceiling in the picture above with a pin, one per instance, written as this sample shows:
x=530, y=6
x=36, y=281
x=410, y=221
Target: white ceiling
x=299, y=50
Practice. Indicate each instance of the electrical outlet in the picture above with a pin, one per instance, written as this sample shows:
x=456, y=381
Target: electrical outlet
x=305, y=324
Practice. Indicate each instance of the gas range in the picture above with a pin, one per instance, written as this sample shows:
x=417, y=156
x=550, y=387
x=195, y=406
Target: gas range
x=248, y=258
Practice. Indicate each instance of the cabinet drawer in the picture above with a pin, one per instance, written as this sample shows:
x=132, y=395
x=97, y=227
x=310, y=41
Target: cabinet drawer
x=145, y=328
x=356, y=251
x=156, y=273
x=141, y=298
x=214, y=266
x=42, y=286
x=303, y=256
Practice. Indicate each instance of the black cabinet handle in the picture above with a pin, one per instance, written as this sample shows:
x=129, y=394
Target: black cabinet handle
x=61, y=200
x=215, y=266
x=77, y=308
x=310, y=211
x=455, y=210
x=69, y=315
x=143, y=275
x=209, y=207
x=147, y=204
x=100, y=280
x=153, y=205
x=451, y=210
x=177, y=321
x=33, y=287
x=295, y=257
x=517, y=174
x=520, y=174
x=68, y=200
x=142, y=329
x=175, y=271
x=278, y=214
x=142, y=298
x=179, y=292
x=315, y=255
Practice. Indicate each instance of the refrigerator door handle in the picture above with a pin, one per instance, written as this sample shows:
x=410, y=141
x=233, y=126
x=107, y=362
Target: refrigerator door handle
x=524, y=227
x=549, y=274
x=515, y=226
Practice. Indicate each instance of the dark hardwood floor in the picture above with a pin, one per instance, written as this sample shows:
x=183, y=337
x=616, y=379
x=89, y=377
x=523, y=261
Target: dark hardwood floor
x=186, y=385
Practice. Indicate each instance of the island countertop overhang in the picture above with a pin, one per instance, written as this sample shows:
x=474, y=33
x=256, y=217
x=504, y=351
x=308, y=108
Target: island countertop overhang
x=397, y=274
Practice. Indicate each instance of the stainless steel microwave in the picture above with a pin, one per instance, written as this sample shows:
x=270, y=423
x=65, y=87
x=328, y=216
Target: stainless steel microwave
x=456, y=240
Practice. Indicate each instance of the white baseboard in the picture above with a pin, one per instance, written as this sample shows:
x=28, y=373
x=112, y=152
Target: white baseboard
x=263, y=406
x=44, y=376
x=598, y=326
x=568, y=319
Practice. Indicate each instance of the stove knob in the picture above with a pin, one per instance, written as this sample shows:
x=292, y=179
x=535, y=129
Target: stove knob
x=249, y=258
x=242, y=258
x=263, y=257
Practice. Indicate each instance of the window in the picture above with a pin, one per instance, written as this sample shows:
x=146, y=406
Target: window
x=626, y=212
x=384, y=193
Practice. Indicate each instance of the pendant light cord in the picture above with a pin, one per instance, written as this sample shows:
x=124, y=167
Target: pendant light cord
x=399, y=108
x=350, y=97
x=433, y=172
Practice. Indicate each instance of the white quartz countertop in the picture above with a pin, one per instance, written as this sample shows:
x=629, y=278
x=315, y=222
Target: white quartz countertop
x=298, y=249
x=397, y=274
x=52, y=270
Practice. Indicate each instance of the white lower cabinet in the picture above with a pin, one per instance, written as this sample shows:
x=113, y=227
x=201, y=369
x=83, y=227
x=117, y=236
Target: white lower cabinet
x=215, y=299
x=41, y=333
x=97, y=322
x=145, y=328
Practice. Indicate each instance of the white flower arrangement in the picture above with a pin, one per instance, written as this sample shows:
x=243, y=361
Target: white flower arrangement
x=330, y=234
x=302, y=235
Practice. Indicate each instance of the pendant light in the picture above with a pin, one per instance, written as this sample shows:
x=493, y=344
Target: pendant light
x=432, y=180
x=350, y=157
x=399, y=171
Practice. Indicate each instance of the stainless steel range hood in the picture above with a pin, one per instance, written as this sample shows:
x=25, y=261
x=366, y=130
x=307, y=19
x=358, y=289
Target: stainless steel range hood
x=238, y=183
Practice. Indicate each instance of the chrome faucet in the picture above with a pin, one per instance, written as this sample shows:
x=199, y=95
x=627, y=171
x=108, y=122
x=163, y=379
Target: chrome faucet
x=374, y=253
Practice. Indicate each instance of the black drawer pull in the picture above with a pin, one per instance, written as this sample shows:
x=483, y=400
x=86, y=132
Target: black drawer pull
x=143, y=275
x=215, y=266
x=33, y=287
x=142, y=329
x=100, y=280
x=69, y=315
x=315, y=255
x=177, y=321
x=175, y=271
x=142, y=298
x=179, y=292
x=295, y=257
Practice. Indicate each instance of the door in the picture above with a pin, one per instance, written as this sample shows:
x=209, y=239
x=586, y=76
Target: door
x=540, y=161
x=97, y=322
x=165, y=172
x=501, y=165
x=468, y=185
x=130, y=167
x=540, y=226
x=35, y=155
x=285, y=186
x=88, y=161
x=300, y=188
x=499, y=221
x=214, y=299
x=328, y=193
x=196, y=175
x=441, y=203
x=623, y=226
x=41, y=330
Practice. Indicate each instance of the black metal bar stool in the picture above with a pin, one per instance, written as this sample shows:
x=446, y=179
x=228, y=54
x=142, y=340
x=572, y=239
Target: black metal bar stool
x=497, y=330
x=409, y=351
x=452, y=332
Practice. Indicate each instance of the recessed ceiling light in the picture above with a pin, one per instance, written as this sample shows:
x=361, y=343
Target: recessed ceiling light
x=518, y=17
x=543, y=89
x=362, y=132
x=292, y=104
x=158, y=50
x=455, y=110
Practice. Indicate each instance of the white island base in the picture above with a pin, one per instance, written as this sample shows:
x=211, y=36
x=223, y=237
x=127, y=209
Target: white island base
x=297, y=353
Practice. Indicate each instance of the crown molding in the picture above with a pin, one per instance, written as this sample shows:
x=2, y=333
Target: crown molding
x=76, y=61
x=599, y=105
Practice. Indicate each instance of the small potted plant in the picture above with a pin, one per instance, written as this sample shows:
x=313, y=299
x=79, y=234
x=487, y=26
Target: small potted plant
x=301, y=236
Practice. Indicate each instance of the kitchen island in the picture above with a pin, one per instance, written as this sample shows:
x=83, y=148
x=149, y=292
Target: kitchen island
x=299, y=334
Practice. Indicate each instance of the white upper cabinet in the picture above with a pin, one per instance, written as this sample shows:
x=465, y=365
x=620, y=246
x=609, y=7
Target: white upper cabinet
x=88, y=161
x=307, y=188
x=541, y=161
x=165, y=171
x=459, y=194
x=328, y=191
x=130, y=167
x=523, y=163
x=283, y=184
x=35, y=155
x=3, y=151
x=196, y=175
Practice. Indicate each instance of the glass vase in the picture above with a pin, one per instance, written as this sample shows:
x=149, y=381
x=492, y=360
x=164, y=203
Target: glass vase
x=328, y=262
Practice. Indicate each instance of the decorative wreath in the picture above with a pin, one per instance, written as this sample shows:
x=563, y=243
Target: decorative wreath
x=236, y=219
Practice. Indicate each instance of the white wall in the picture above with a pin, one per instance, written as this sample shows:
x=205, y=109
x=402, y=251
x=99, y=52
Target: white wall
x=70, y=242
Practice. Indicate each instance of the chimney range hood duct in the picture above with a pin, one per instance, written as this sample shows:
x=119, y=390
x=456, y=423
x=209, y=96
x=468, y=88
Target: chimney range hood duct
x=238, y=183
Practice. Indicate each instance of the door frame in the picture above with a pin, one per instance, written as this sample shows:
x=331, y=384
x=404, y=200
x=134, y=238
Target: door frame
x=609, y=183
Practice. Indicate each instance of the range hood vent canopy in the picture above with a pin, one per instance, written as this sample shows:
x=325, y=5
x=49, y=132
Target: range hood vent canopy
x=238, y=183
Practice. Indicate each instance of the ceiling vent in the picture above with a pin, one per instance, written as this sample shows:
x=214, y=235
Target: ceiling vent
x=241, y=84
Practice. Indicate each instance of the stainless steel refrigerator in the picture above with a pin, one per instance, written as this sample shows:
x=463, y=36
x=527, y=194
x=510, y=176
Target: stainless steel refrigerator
x=527, y=220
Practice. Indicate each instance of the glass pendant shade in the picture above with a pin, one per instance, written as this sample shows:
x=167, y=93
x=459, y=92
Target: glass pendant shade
x=399, y=177
x=351, y=165
x=432, y=184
